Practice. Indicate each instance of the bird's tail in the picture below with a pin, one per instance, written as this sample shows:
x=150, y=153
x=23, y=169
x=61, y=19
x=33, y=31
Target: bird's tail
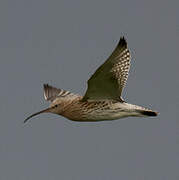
x=148, y=113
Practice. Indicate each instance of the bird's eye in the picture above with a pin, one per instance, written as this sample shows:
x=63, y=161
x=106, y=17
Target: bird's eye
x=56, y=105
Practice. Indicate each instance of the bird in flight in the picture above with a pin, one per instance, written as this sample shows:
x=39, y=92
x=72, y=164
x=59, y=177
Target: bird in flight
x=102, y=100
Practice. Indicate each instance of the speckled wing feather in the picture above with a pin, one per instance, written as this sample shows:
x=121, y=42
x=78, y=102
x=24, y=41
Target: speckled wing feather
x=110, y=78
x=51, y=93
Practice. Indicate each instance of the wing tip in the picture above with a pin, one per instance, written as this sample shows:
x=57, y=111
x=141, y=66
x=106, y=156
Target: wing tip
x=45, y=87
x=122, y=42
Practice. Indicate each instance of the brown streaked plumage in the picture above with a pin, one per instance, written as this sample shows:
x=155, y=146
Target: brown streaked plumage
x=102, y=100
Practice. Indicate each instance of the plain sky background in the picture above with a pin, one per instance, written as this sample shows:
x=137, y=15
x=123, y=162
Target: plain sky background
x=62, y=43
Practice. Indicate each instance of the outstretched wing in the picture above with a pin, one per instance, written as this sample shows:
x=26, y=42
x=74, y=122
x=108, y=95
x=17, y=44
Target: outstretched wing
x=51, y=93
x=110, y=78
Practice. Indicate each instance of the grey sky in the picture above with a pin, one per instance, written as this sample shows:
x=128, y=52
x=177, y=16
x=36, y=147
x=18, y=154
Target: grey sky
x=62, y=43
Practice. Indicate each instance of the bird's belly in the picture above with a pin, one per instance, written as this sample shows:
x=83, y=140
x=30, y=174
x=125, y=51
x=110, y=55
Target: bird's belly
x=100, y=116
x=108, y=115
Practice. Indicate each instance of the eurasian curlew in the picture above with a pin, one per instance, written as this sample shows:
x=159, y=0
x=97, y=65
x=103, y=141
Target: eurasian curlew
x=102, y=100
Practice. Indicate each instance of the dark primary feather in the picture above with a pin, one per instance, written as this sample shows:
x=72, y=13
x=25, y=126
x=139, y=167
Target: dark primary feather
x=122, y=42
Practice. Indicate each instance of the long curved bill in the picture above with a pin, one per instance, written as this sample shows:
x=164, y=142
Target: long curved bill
x=37, y=113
